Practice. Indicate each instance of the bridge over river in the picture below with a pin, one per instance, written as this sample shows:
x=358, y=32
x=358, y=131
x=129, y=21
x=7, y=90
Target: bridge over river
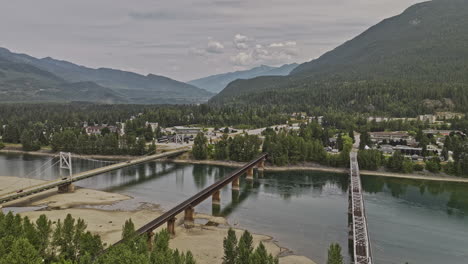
x=358, y=232
x=65, y=184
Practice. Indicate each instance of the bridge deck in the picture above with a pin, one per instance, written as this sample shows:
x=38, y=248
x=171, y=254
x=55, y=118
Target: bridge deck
x=83, y=175
x=361, y=243
x=197, y=198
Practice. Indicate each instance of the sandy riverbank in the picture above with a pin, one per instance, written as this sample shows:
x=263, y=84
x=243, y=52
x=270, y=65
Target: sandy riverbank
x=205, y=242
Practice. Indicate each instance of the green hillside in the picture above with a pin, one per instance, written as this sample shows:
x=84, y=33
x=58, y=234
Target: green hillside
x=136, y=88
x=412, y=63
x=21, y=82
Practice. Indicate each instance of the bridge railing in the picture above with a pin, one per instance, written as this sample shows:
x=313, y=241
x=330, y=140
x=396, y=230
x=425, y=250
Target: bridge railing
x=361, y=242
x=199, y=197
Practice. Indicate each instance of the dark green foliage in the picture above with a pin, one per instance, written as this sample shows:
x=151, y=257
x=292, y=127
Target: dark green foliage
x=395, y=162
x=21, y=252
x=418, y=167
x=61, y=125
x=22, y=241
x=29, y=141
x=134, y=249
x=2, y=145
x=410, y=64
x=334, y=254
x=240, y=148
x=433, y=165
x=364, y=140
x=200, y=147
x=371, y=159
x=244, y=252
x=230, y=248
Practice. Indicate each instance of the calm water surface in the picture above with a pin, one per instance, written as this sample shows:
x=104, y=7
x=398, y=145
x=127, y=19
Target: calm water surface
x=409, y=221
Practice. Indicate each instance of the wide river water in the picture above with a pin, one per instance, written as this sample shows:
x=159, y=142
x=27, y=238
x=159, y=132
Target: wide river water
x=412, y=221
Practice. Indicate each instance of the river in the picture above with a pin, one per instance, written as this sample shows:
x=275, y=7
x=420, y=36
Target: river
x=410, y=221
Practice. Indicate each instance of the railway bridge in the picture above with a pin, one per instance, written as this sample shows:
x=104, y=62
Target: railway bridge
x=188, y=206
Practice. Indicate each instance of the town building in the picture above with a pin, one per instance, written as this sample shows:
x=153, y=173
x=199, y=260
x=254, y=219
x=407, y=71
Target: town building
x=154, y=126
x=96, y=130
x=427, y=118
x=379, y=137
x=187, y=130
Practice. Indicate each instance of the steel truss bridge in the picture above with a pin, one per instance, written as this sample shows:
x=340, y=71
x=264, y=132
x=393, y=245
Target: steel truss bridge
x=358, y=232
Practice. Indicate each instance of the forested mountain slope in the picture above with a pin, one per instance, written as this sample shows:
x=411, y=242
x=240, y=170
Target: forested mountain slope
x=217, y=83
x=134, y=87
x=26, y=83
x=412, y=63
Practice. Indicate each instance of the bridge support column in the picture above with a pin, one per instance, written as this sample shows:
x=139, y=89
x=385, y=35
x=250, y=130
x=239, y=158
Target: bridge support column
x=171, y=226
x=188, y=218
x=66, y=188
x=149, y=240
x=261, y=165
x=235, y=184
x=216, y=198
x=250, y=174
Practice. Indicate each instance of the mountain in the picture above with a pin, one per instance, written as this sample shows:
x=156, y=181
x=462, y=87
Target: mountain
x=135, y=88
x=216, y=83
x=20, y=82
x=416, y=62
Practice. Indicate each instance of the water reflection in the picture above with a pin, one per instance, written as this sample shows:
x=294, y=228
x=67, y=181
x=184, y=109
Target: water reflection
x=305, y=211
x=448, y=196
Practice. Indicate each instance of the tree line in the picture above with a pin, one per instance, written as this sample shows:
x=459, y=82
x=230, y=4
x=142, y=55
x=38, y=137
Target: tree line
x=283, y=146
x=68, y=242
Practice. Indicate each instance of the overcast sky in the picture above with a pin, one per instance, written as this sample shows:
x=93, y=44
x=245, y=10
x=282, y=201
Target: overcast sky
x=186, y=39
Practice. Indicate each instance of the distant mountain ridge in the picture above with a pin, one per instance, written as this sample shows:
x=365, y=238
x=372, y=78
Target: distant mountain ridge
x=412, y=63
x=130, y=87
x=217, y=83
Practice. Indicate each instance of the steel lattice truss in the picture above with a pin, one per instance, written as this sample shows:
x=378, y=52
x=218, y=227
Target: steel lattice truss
x=361, y=244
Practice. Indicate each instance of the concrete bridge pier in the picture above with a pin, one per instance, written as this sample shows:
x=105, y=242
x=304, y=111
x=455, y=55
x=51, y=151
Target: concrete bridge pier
x=188, y=218
x=171, y=226
x=66, y=188
x=149, y=240
x=261, y=165
x=250, y=174
x=235, y=184
x=216, y=198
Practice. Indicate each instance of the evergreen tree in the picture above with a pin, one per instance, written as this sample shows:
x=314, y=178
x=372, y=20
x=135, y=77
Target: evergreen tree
x=245, y=248
x=200, y=149
x=22, y=252
x=230, y=248
x=334, y=254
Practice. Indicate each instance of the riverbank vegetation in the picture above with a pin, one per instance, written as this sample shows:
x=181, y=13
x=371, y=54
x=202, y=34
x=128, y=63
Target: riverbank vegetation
x=285, y=147
x=243, y=252
x=334, y=254
x=373, y=159
x=68, y=242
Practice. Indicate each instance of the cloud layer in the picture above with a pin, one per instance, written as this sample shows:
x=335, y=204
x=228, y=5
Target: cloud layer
x=185, y=39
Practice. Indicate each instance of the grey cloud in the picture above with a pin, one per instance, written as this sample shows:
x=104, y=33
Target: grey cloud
x=170, y=37
x=214, y=47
